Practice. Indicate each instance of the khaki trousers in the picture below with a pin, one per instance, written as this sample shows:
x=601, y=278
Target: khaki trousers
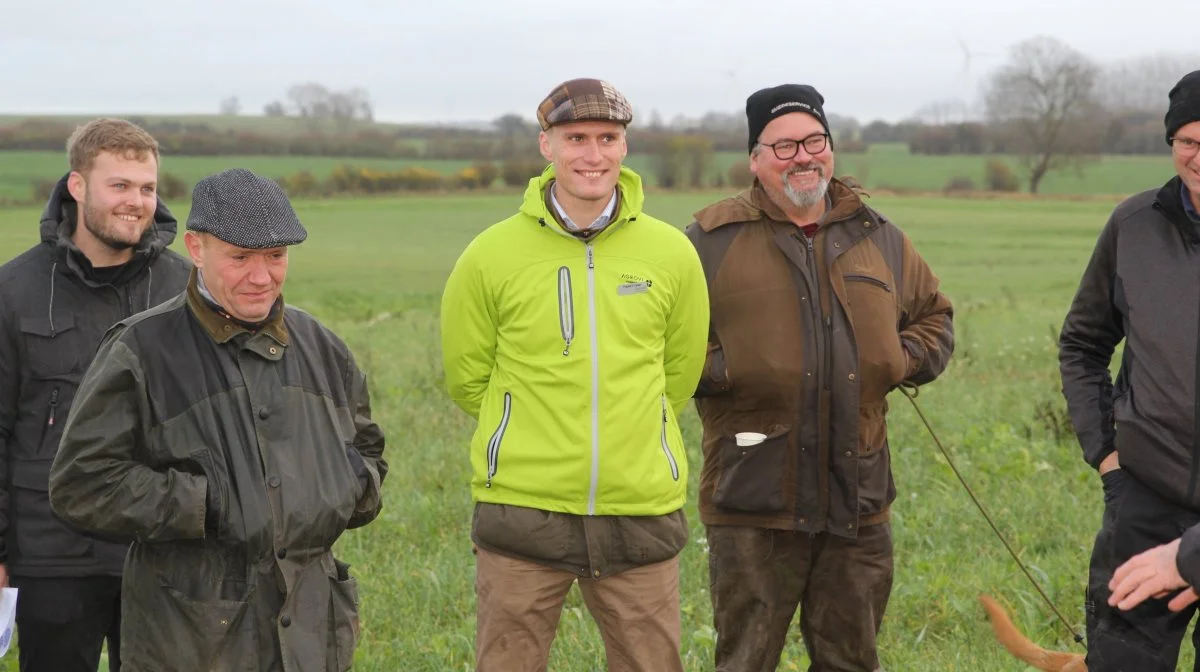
x=519, y=604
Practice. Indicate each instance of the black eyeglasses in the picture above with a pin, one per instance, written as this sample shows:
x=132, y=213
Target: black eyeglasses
x=787, y=149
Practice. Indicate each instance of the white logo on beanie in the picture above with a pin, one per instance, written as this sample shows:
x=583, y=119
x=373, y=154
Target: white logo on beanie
x=796, y=103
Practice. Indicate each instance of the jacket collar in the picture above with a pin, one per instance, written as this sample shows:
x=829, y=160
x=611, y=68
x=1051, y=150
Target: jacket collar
x=630, y=198
x=1169, y=201
x=223, y=327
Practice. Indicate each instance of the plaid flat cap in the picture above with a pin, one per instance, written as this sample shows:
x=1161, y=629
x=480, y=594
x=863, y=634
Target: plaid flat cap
x=584, y=100
x=245, y=210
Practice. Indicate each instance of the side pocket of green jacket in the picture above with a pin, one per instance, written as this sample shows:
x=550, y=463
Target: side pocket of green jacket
x=666, y=446
x=493, y=445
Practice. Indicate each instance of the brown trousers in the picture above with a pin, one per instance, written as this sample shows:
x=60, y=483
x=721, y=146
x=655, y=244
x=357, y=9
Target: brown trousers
x=519, y=604
x=758, y=577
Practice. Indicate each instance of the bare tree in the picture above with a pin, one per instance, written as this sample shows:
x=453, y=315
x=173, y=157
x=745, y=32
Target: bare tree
x=942, y=112
x=1045, y=97
x=230, y=106
x=310, y=100
x=274, y=109
x=1140, y=85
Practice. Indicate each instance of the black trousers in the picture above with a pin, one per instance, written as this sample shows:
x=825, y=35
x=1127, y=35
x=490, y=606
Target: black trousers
x=1146, y=638
x=62, y=623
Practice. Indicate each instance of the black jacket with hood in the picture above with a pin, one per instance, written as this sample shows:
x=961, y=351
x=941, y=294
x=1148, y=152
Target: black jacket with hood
x=54, y=311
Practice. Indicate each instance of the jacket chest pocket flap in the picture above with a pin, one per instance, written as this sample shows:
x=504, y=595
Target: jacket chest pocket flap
x=53, y=348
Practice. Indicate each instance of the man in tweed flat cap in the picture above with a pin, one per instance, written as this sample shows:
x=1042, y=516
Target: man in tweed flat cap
x=229, y=436
x=574, y=332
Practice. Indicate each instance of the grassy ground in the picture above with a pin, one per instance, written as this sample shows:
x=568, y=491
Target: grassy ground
x=883, y=167
x=373, y=270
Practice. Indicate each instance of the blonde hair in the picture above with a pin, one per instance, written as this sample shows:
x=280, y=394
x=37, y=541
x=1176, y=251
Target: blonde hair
x=117, y=136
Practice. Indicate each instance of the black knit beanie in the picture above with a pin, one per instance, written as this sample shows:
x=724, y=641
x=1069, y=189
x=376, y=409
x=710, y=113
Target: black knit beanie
x=765, y=105
x=1184, y=107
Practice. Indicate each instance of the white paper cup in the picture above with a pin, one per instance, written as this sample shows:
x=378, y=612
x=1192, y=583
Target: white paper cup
x=749, y=438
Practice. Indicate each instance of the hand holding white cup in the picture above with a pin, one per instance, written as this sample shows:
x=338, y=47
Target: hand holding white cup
x=749, y=438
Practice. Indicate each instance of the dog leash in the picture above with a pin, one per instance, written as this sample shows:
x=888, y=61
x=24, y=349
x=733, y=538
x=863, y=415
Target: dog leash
x=911, y=391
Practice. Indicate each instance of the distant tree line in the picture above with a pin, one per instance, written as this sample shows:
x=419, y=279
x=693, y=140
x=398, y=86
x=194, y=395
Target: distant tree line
x=1049, y=105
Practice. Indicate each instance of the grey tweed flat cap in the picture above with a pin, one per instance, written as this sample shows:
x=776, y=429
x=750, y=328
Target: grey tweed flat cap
x=245, y=210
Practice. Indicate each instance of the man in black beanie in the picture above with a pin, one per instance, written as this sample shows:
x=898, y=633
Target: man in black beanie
x=796, y=483
x=1141, y=286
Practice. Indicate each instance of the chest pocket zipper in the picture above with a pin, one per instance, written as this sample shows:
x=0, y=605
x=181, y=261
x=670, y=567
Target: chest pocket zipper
x=566, y=309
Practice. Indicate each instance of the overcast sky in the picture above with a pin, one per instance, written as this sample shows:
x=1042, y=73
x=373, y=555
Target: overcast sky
x=464, y=60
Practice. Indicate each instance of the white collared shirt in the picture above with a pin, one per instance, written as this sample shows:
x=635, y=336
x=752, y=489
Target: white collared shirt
x=600, y=222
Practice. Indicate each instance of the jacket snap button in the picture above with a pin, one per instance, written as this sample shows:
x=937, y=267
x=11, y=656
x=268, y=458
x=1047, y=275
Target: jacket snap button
x=852, y=376
x=263, y=413
x=867, y=223
x=274, y=350
x=228, y=328
x=273, y=481
x=281, y=553
x=837, y=244
x=848, y=453
x=596, y=573
x=285, y=621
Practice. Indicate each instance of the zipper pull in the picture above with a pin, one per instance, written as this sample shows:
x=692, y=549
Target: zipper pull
x=567, y=349
x=589, y=257
x=53, y=406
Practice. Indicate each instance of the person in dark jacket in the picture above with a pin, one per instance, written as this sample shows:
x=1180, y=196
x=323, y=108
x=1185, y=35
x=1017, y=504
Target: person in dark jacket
x=102, y=257
x=820, y=305
x=1143, y=434
x=230, y=436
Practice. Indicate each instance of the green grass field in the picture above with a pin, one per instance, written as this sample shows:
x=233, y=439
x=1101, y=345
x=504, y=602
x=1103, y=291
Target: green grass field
x=884, y=167
x=373, y=270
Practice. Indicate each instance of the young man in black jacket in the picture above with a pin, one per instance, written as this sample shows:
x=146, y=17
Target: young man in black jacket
x=102, y=257
x=1143, y=435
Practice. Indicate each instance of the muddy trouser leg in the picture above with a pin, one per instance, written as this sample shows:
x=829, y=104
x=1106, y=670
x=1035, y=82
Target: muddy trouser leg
x=756, y=578
x=843, y=608
x=1147, y=637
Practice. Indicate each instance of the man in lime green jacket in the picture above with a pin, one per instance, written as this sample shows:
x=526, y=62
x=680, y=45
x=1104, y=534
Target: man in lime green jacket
x=575, y=332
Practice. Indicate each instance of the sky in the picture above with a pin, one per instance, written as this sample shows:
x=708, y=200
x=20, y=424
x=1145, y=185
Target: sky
x=456, y=61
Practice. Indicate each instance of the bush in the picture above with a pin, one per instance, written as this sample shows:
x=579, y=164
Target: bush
x=303, y=183
x=488, y=172
x=171, y=187
x=739, y=174
x=518, y=172
x=959, y=183
x=1000, y=177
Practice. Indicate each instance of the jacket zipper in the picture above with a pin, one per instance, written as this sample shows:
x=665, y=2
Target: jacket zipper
x=493, y=447
x=868, y=279
x=591, y=282
x=53, y=407
x=566, y=309
x=667, y=448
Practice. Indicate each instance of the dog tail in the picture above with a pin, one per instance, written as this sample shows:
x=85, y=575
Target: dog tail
x=1020, y=646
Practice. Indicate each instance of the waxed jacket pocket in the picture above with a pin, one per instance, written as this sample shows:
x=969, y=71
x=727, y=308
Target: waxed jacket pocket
x=207, y=633
x=752, y=477
x=344, y=607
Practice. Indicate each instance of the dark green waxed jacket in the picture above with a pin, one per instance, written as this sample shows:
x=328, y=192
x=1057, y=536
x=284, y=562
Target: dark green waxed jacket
x=186, y=416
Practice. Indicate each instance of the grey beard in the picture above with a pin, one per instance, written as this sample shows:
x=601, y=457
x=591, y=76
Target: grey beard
x=809, y=198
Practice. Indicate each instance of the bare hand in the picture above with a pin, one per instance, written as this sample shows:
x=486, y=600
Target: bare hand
x=3, y=575
x=1150, y=574
x=1109, y=463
